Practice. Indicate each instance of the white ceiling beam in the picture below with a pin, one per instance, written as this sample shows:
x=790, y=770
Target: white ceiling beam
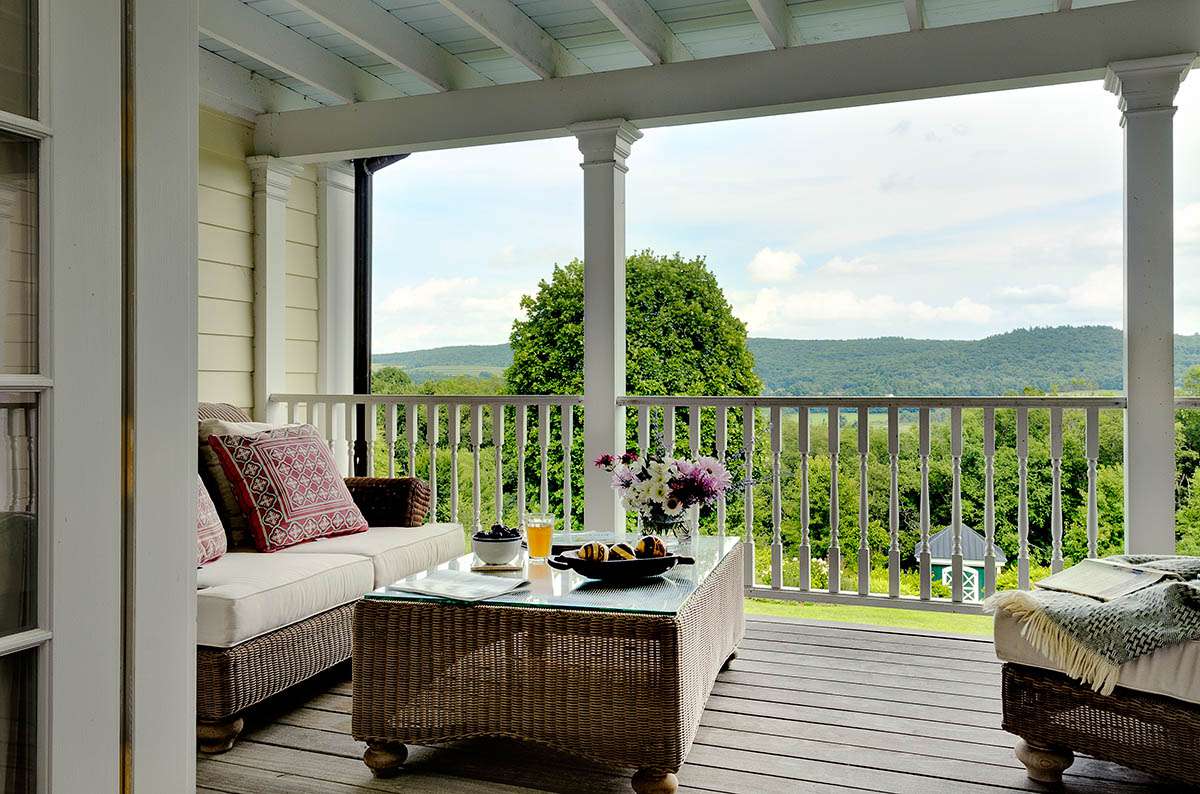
x=645, y=30
x=238, y=26
x=916, y=14
x=518, y=35
x=775, y=19
x=235, y=90
x=945, y=61
x=381, y=33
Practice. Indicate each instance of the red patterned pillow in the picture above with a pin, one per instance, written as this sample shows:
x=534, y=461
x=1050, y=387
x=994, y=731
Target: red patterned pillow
x=288, y=486
x=210, y=534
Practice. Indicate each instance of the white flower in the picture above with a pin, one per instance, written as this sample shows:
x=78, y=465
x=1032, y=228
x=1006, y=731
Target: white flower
x=658, y=492
x=636, y=467
x=673, y=507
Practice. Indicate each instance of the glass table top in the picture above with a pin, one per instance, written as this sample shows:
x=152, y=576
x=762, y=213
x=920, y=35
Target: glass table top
x=552, y=589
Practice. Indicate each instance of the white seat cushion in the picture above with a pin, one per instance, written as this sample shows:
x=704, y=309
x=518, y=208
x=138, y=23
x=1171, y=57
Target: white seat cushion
x=395, y=552
x=243, y=595
x=1173, y=671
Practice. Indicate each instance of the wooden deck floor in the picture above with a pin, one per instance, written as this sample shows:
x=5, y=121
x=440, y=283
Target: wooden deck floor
x=806, y=706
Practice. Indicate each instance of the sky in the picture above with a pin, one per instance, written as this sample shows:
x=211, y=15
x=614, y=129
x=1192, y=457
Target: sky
x=951, y=218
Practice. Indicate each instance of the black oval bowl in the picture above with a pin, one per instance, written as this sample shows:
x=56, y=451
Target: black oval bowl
x=617, y=570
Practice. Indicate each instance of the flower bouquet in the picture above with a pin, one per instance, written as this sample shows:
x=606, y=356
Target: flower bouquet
x=661, y=489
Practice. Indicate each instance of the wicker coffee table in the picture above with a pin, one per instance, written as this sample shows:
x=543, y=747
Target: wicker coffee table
x=614, y=674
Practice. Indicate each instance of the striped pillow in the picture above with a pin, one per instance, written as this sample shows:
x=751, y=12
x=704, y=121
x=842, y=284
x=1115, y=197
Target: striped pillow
x=210, y=534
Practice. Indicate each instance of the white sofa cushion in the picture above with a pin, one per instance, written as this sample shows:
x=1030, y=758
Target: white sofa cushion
x=244, y=595
x=1173, y=671
x=395, y=552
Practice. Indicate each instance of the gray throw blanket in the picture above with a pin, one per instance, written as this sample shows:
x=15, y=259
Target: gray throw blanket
x=1090, y=639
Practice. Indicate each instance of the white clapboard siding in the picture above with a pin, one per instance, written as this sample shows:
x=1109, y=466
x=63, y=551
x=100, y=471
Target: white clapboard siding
x=301, y=322
x=225, y=294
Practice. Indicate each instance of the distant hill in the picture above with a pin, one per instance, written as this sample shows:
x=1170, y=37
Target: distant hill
x=1066, y=356
x=444, y=362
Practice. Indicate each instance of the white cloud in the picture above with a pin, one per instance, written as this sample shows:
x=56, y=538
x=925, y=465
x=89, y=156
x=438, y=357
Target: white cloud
x=770, y=266
x=850, y=267
x=1038, y=293
x=1187, y=224
x=424, y=295
x=1101, y=289
x=806, y=313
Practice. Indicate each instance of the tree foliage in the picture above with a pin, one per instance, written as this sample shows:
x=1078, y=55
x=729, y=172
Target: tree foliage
x=681, y=335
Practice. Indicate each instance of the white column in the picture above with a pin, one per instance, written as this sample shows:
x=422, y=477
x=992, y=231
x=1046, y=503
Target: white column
x=162, y=92
x=271, y=179
x=335, y=289
x=604, y=145
x=1146, y=89
x=335, y=270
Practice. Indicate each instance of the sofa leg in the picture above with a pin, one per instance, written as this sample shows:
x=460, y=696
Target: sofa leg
x=385, y=759
x=1044, y=764
x=217, y=737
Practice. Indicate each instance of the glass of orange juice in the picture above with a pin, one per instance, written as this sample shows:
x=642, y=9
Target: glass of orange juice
x=539, y=530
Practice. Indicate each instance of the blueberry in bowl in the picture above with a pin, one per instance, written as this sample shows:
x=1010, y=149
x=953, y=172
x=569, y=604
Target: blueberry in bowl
x=497, y=545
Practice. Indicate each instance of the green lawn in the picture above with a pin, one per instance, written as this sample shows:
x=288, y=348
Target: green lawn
x=874, y=616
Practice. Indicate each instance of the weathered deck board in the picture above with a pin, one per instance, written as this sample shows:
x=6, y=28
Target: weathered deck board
x=806, y=707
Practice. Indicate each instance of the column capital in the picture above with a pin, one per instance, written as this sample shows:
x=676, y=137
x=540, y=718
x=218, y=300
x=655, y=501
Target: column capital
x=337, y=174
x=605, y=142
x=271, y=175
x=1147, y=84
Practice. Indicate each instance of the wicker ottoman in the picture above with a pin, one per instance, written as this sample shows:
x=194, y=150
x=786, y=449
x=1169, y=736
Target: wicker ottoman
x=543, y=665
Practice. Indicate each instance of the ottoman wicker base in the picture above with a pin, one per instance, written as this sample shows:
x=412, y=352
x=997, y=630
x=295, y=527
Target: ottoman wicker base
x=1056, y=716
x=619, y=688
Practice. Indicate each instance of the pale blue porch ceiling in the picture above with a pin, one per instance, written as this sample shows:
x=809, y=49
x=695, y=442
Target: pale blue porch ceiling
x=707, y=28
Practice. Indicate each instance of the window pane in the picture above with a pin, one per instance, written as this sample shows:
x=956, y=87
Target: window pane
x=18, y=722
x=18, y=505
x=18, y=57
x=18, y=255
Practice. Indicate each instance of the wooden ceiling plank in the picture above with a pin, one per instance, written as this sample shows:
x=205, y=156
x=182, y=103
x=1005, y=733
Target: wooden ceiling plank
x=775, y=19
x=645, y=30
x=518, y=35
x=386, y=36
x=916, y=14
x=238, y=26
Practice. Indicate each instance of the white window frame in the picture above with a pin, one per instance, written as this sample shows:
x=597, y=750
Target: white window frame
x=40, y=384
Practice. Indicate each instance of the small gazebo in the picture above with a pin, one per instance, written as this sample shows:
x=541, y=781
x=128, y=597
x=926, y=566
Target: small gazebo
x=974, y=548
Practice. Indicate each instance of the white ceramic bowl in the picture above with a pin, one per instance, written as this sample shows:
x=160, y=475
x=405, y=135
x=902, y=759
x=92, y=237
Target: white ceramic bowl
x=496, y=551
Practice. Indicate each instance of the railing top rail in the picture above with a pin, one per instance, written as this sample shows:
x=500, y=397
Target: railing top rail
x=1187, y=402
x=888, y=401
x=440, y=399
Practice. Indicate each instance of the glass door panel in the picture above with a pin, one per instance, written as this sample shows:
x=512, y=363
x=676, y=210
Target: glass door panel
x=19, y=57
x=18, y=722
x=18, y=254
x=18, y=516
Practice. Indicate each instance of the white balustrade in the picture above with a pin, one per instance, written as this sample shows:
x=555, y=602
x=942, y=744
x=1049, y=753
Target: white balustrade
x=962, y=453
x=965, y=452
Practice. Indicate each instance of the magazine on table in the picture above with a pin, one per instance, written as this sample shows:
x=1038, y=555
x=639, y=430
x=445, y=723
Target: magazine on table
x=1104, y=579
x=458, y=585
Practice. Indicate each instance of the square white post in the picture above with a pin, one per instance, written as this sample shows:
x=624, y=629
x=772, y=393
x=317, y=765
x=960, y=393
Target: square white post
x=335, y=285
x=272, y=178
x=1146, y=89
x=604, y=145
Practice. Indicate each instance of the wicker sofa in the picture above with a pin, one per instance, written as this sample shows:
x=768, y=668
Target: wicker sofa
x=266, y=622
x=1150, y=722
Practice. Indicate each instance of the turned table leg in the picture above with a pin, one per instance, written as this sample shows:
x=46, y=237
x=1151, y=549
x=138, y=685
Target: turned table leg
x=1044, y=764
x=655, y=781
x=217, y=737
x=385, y=759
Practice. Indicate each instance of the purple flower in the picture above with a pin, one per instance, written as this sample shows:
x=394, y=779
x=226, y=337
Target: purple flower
x=629, y=457
x=605, y=461
x=622, y=478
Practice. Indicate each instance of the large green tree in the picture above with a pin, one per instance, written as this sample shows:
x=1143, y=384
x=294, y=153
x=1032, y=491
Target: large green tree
x=681, y=335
